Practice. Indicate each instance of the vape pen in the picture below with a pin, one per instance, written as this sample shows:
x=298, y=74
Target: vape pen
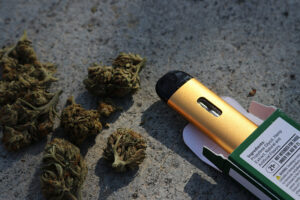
x=207, y=111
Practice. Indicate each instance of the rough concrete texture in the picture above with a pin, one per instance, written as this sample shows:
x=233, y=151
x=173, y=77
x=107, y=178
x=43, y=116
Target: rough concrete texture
x=231, y=46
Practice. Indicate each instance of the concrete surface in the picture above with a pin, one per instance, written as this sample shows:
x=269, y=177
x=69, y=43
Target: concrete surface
x=231, y=46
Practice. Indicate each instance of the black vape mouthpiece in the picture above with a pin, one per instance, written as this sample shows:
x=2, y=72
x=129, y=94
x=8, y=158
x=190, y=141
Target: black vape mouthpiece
x=167, y=85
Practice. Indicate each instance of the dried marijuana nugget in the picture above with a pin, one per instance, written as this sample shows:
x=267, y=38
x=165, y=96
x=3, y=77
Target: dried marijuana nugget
x=22, y=73
x=117, y=80
x=126, y=149
x=63, y=171
x=24, y=123
x=79, y=123
x=27, y=109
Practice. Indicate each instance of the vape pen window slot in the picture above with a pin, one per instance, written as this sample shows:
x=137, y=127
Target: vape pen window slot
x=211, y=108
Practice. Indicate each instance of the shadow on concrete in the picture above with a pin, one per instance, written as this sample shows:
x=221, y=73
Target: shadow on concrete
x=37, y=147
x=86, y=100
x=34, y=189
x=109, y=180
x=123, y=103
x=87, y=144
x=166, y=126
x=8, y=158
x=199, y=188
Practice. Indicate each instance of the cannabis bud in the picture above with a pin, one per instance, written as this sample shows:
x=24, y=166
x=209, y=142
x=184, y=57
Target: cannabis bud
x=126, y=149
x=117, y=80
x=24, y=123
x=27, y=109
x=79, y=123
x=106, y=108
x=63, y=170
x=22, y=73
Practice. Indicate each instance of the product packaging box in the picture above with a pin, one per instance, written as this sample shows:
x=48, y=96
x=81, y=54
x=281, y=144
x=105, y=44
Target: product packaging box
x=267, y=163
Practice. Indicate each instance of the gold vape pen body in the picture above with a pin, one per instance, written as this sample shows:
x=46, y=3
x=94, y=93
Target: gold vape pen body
x=211, y=114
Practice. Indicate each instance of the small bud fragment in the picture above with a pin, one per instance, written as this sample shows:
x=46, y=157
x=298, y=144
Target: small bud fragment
x=106, y=108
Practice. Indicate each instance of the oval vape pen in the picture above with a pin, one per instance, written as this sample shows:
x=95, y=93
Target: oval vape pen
x=206, y=110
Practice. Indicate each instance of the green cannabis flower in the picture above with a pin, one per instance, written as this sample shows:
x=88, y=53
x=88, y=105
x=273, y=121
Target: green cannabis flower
x=63, y=171
x=22, y=73
x=38, y=97
x=27, y=110
x=126, y=149
x=118, y=80
x=24, y=123
x=79, y=123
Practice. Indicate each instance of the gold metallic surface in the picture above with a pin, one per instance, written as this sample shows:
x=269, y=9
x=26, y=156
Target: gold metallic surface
x=228, y=130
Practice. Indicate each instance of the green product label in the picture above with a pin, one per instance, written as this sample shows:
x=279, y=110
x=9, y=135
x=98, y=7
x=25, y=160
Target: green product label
x=272, y=155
